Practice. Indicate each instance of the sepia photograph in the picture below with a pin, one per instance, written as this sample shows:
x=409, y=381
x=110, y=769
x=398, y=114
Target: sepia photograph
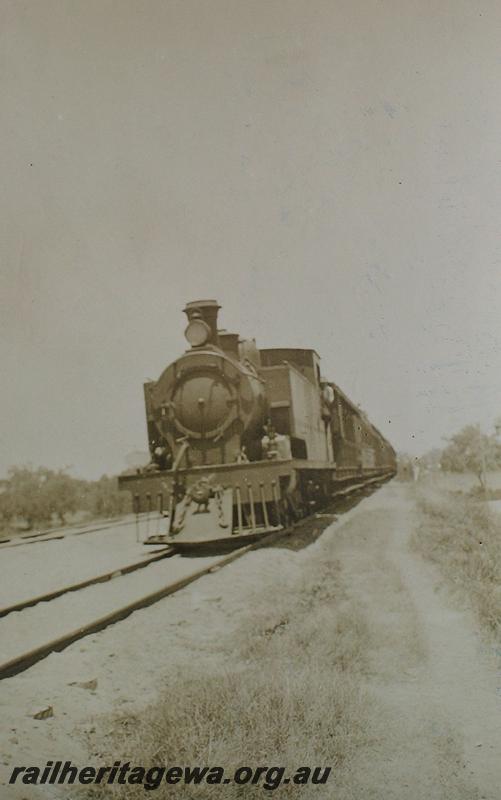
x=250, y=439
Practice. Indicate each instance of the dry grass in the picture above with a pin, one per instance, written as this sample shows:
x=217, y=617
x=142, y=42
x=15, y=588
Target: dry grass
x=289, y=694
x=460, y=481
x=463, y=538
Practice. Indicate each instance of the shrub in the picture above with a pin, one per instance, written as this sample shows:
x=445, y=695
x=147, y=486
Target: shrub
x=463, y=538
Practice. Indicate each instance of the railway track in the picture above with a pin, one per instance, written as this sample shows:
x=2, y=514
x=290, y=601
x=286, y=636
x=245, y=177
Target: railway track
x=36, y=627
x=39, y=628
x=54, y=534
x=157, y=555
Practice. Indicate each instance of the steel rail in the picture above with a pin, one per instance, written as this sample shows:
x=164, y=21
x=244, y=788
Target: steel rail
x=73, y=587
x=53, y=534
x=359, y=486
x=27, y=659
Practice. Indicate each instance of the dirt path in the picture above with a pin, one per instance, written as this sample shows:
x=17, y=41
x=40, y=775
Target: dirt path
x=437, y=717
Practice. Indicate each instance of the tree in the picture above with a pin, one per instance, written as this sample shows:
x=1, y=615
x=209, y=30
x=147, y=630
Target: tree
x=35, y=495
x=24, y=495
x=471, y=450
x=431, y=460
x=62, y=493
x=104, y=499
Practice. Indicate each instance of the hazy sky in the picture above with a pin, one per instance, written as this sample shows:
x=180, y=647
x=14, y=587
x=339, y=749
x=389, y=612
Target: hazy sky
x=329, y=170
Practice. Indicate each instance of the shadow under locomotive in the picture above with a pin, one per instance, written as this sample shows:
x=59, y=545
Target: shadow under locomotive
x=245, y=442
x=310, y=529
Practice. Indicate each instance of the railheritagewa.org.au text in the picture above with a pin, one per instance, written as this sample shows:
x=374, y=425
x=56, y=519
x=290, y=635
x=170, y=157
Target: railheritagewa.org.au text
x=150, y=778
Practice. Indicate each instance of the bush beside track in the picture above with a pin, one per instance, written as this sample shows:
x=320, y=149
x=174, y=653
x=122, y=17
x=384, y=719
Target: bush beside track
x=458, y=533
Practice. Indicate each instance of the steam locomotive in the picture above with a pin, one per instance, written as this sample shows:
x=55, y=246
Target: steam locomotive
x=244, y=440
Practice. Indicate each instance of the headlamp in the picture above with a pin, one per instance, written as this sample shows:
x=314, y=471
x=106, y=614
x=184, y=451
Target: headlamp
x=197, y=333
